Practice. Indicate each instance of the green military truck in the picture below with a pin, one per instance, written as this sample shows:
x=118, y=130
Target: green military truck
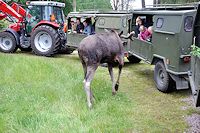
x=100, y=21
x=175, y=29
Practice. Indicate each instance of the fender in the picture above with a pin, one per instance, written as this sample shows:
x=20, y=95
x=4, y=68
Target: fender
x=14, y=33
x=45, y=22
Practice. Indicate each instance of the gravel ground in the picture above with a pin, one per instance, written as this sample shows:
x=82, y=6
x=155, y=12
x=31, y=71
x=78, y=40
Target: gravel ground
x=194, y=119
x=194, y=123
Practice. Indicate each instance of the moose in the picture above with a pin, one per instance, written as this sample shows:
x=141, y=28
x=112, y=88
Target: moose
x=100, y=48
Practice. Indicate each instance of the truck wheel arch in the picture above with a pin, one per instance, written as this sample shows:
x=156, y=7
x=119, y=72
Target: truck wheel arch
x=157, y=59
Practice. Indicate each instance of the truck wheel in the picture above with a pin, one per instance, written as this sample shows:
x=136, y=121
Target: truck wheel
x=133, y=59
x=45, y=41
x=8, y=43
x=162, y=79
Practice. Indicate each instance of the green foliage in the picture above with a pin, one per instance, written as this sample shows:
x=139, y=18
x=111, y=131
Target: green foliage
x=195, y=50
x=93, y=5
x=68, y=6
x=3, y=24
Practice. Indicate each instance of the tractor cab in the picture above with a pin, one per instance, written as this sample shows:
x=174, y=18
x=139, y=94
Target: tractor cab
x=44, y=11
x=40, y=28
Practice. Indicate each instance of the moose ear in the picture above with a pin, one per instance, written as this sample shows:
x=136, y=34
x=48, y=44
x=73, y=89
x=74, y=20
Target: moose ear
x=120, y=33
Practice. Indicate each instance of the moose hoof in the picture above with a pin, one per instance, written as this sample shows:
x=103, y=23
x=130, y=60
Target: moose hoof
x=92, y=99
x=89, y=105
x=114, y=93
x=116, y=87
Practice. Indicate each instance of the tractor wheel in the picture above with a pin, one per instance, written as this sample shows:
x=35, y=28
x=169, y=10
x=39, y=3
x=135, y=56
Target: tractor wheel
x=162, y=79
x=8, y=43
x=133, y=59
x=45, y=41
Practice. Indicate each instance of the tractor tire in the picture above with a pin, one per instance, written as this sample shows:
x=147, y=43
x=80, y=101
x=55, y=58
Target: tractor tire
x=133, y=59
x=8, y=43
x=162, y=79
x=45, y=41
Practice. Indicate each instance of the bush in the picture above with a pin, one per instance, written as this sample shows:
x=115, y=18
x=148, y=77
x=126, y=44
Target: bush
x=3, y=24
x=195, y=51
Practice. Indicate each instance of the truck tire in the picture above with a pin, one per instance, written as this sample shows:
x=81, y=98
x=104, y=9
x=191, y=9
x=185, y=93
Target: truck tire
x=133, y=59
x=45, y=41
x=8, y=44
x=162, y=79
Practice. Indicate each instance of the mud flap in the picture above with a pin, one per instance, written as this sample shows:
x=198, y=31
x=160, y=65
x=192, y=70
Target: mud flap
x=195, y=89
x=181, y=82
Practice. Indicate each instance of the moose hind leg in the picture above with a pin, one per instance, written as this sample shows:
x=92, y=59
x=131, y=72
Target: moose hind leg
x=89, y=76
x=84, y=69
x=110, y=69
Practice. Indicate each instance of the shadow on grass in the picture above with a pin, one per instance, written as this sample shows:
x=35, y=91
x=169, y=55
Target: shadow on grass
x=186, y=92
x=127, y=64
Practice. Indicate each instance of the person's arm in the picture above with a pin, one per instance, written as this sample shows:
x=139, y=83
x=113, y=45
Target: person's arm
x=85, y=30
x=89, y=31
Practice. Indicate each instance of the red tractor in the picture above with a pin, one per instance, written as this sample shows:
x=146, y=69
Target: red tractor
x=39, y=28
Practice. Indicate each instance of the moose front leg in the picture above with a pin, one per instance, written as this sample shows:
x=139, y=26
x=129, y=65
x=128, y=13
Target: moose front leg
x=89, y=76
x=117, y=82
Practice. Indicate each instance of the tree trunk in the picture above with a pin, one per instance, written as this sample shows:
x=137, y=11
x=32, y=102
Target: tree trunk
x=156, y=3
x=143, y=3
x=122, y=4
x=74, y=5
x=127, y=4
x=115, y=4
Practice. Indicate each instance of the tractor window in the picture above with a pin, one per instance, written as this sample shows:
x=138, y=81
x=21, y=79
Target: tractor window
x=46, y=12
x=35, y=13
x=59, y=14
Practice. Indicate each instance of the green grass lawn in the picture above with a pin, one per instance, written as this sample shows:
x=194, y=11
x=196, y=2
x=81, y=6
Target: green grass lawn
x=39, y=94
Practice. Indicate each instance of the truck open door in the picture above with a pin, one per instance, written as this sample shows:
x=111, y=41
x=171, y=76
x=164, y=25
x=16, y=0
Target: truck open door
x=194, y=73
x=194, y=77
